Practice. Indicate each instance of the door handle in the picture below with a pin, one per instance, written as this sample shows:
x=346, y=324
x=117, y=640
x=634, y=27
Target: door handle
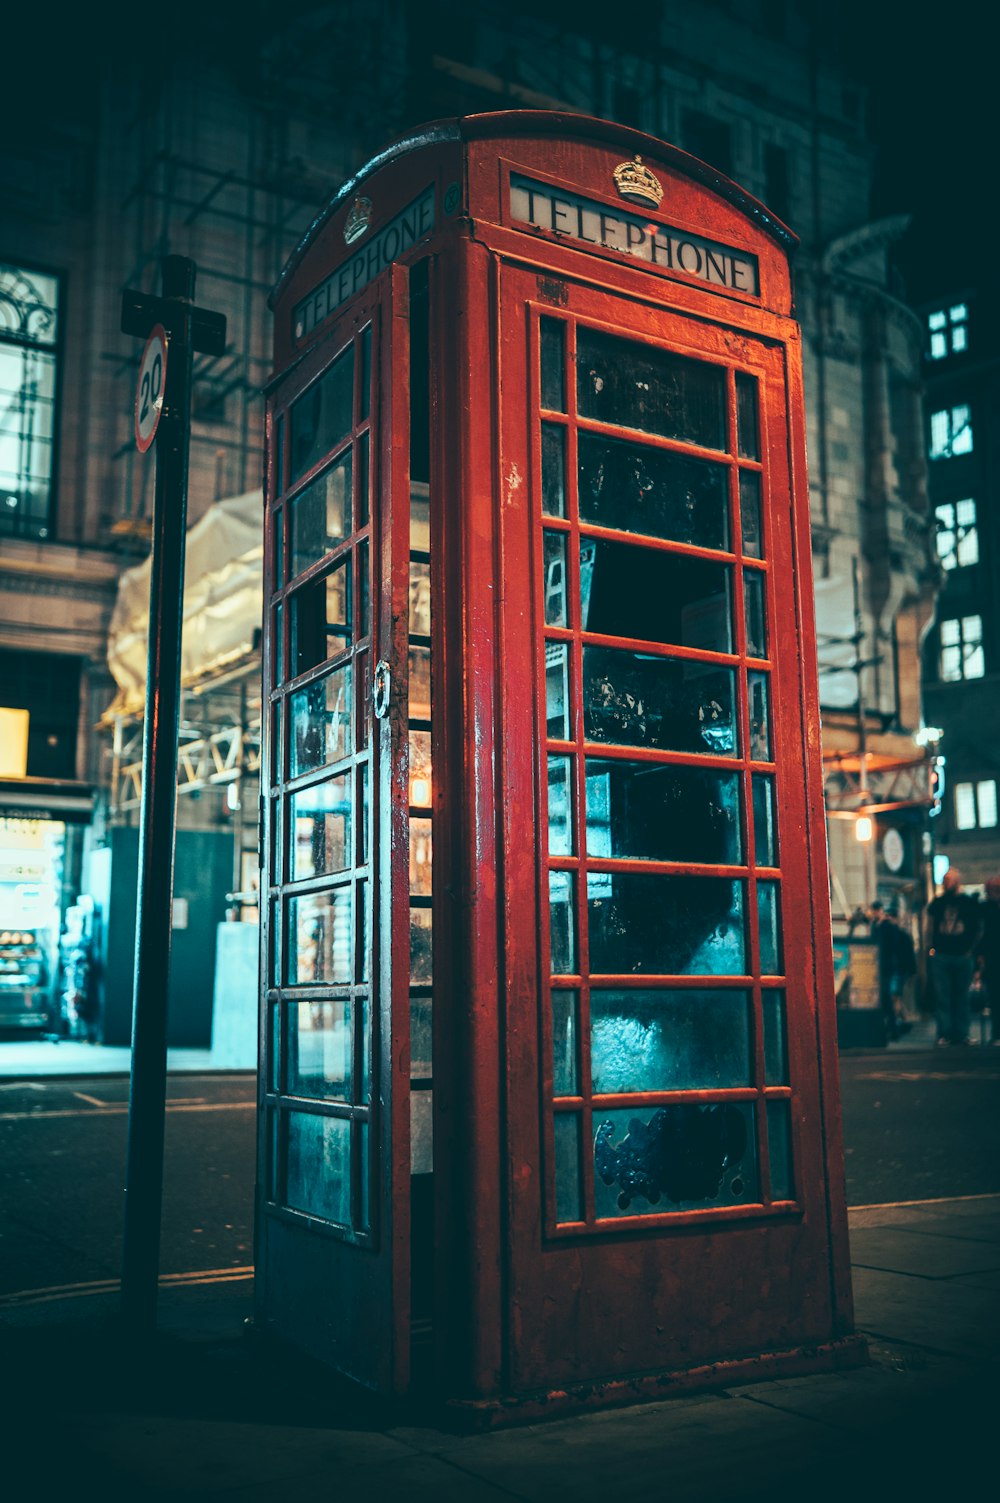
x=381, y=689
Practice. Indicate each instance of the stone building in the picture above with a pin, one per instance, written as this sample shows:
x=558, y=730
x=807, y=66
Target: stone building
x=220, y=144
x=962, y=650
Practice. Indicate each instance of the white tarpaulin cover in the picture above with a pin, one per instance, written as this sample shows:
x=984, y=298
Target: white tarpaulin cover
x=223, y=576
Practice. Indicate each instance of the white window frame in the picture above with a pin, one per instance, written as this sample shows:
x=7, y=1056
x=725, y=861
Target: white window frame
x=957, y=534
x=948, y=331
x=951, y=432
x=961, y=649
x=976, y=805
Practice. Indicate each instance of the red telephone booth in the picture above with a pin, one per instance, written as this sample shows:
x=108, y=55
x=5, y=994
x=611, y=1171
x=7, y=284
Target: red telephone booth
x=554, y=1111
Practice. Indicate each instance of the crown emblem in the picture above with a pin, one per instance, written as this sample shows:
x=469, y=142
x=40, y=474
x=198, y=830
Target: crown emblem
x=358, y=219
x=635, y=182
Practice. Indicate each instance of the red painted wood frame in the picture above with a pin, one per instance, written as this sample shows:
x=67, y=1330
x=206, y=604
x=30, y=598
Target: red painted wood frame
x=336, y=1280
x=752, y=1275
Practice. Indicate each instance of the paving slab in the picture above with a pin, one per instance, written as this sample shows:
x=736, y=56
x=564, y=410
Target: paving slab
x=928, y=1255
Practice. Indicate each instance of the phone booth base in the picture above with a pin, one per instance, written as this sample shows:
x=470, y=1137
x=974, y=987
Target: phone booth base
x=549, y=1108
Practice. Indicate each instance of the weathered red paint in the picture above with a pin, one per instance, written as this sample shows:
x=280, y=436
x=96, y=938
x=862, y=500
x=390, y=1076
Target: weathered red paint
x=527, y=1311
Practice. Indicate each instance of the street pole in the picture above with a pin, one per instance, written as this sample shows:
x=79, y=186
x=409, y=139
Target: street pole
x=148, y=1087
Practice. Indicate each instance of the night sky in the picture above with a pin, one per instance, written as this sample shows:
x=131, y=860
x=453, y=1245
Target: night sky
x=934, y=83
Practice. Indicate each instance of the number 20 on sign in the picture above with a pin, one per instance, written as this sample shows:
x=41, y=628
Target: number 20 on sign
x=149, y=392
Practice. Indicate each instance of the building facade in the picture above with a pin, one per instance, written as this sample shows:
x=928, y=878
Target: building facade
x=222, y=149
x=961, y=663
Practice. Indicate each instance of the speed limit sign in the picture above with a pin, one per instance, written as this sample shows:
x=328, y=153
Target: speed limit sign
x=149, y=392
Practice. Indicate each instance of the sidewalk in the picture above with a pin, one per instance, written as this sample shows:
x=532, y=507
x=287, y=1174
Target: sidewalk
x=207, y=1412
x=34, y=1059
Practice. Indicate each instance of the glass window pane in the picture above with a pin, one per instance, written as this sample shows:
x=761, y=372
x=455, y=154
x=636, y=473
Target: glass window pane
x=746, y=416
x=364, y=395
x=557, y=716
x=363, y=593
x=560, y=807
x=320, y=1049
x=319, y=940
x=769, y=923
x=420, y=517
x=758, y=687
x=553, y=469
x=420, y=599
x=631, y=699
x=554, y=564
x=420, y=683
x=363, y=808
x=651, y=491
x=986, y=797
x=674, y=1158
x=642, y=811
x=320, y=516
x=321, y=417
x=364, y=1024
x=552, y=338
x=421, y=946
x=753, y=604
x=318, y=1166
x=965, y=806
x=562, y=925
x=278, y=644
x=669, y=1040
x=362, y=969
x=775, y=1038
x=670, y=926
x=321, y=618
x=779, y=1149
x=565, y=1080
x=421, y=1132
x=634, y=385
x=278, y=569
x=765, y=833
x=275, y=945
x=274, y=1049
x=361, y=1128
x=420, y=857
x=421, y=1038
x=421, y=784
x=753, y=545
x=654, y=596
x=320, y=828
x=566, y=1130
x=321, y=721
x=364, y=479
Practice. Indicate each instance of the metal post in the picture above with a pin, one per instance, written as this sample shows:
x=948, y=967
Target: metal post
x=147, y=1095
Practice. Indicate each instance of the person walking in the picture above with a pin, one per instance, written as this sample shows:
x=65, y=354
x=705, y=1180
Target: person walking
x=896, y=964
x=954, y=930
x=988, y=954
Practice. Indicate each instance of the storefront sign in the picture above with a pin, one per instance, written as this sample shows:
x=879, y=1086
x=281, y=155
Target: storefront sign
x=595, y=224
x=387, y=246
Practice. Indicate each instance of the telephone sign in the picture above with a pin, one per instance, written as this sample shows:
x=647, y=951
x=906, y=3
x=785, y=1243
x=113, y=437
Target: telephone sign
x=149, y=392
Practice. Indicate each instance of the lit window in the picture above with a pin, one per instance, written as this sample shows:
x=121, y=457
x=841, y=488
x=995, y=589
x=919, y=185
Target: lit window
x=965, y=806
x=949, y=331
x=957, y=536
x=976, y=805
x=962, y=648
x=951, y=432
x=29, y=303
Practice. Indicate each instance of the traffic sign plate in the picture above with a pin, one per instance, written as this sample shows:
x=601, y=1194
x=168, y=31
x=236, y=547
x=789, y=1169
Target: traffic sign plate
x=149, y=392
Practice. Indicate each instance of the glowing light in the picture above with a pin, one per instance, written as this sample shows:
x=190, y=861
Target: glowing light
x=233, y=796
x=420, y=793
x=864, y=828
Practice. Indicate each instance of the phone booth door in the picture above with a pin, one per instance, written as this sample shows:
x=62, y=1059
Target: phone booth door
x=665, y=1110
x=334, y=1152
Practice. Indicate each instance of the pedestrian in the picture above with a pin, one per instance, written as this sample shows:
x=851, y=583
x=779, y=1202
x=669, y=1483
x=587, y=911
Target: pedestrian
x=896, y=964
x=954, y=929
x=988, y=955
